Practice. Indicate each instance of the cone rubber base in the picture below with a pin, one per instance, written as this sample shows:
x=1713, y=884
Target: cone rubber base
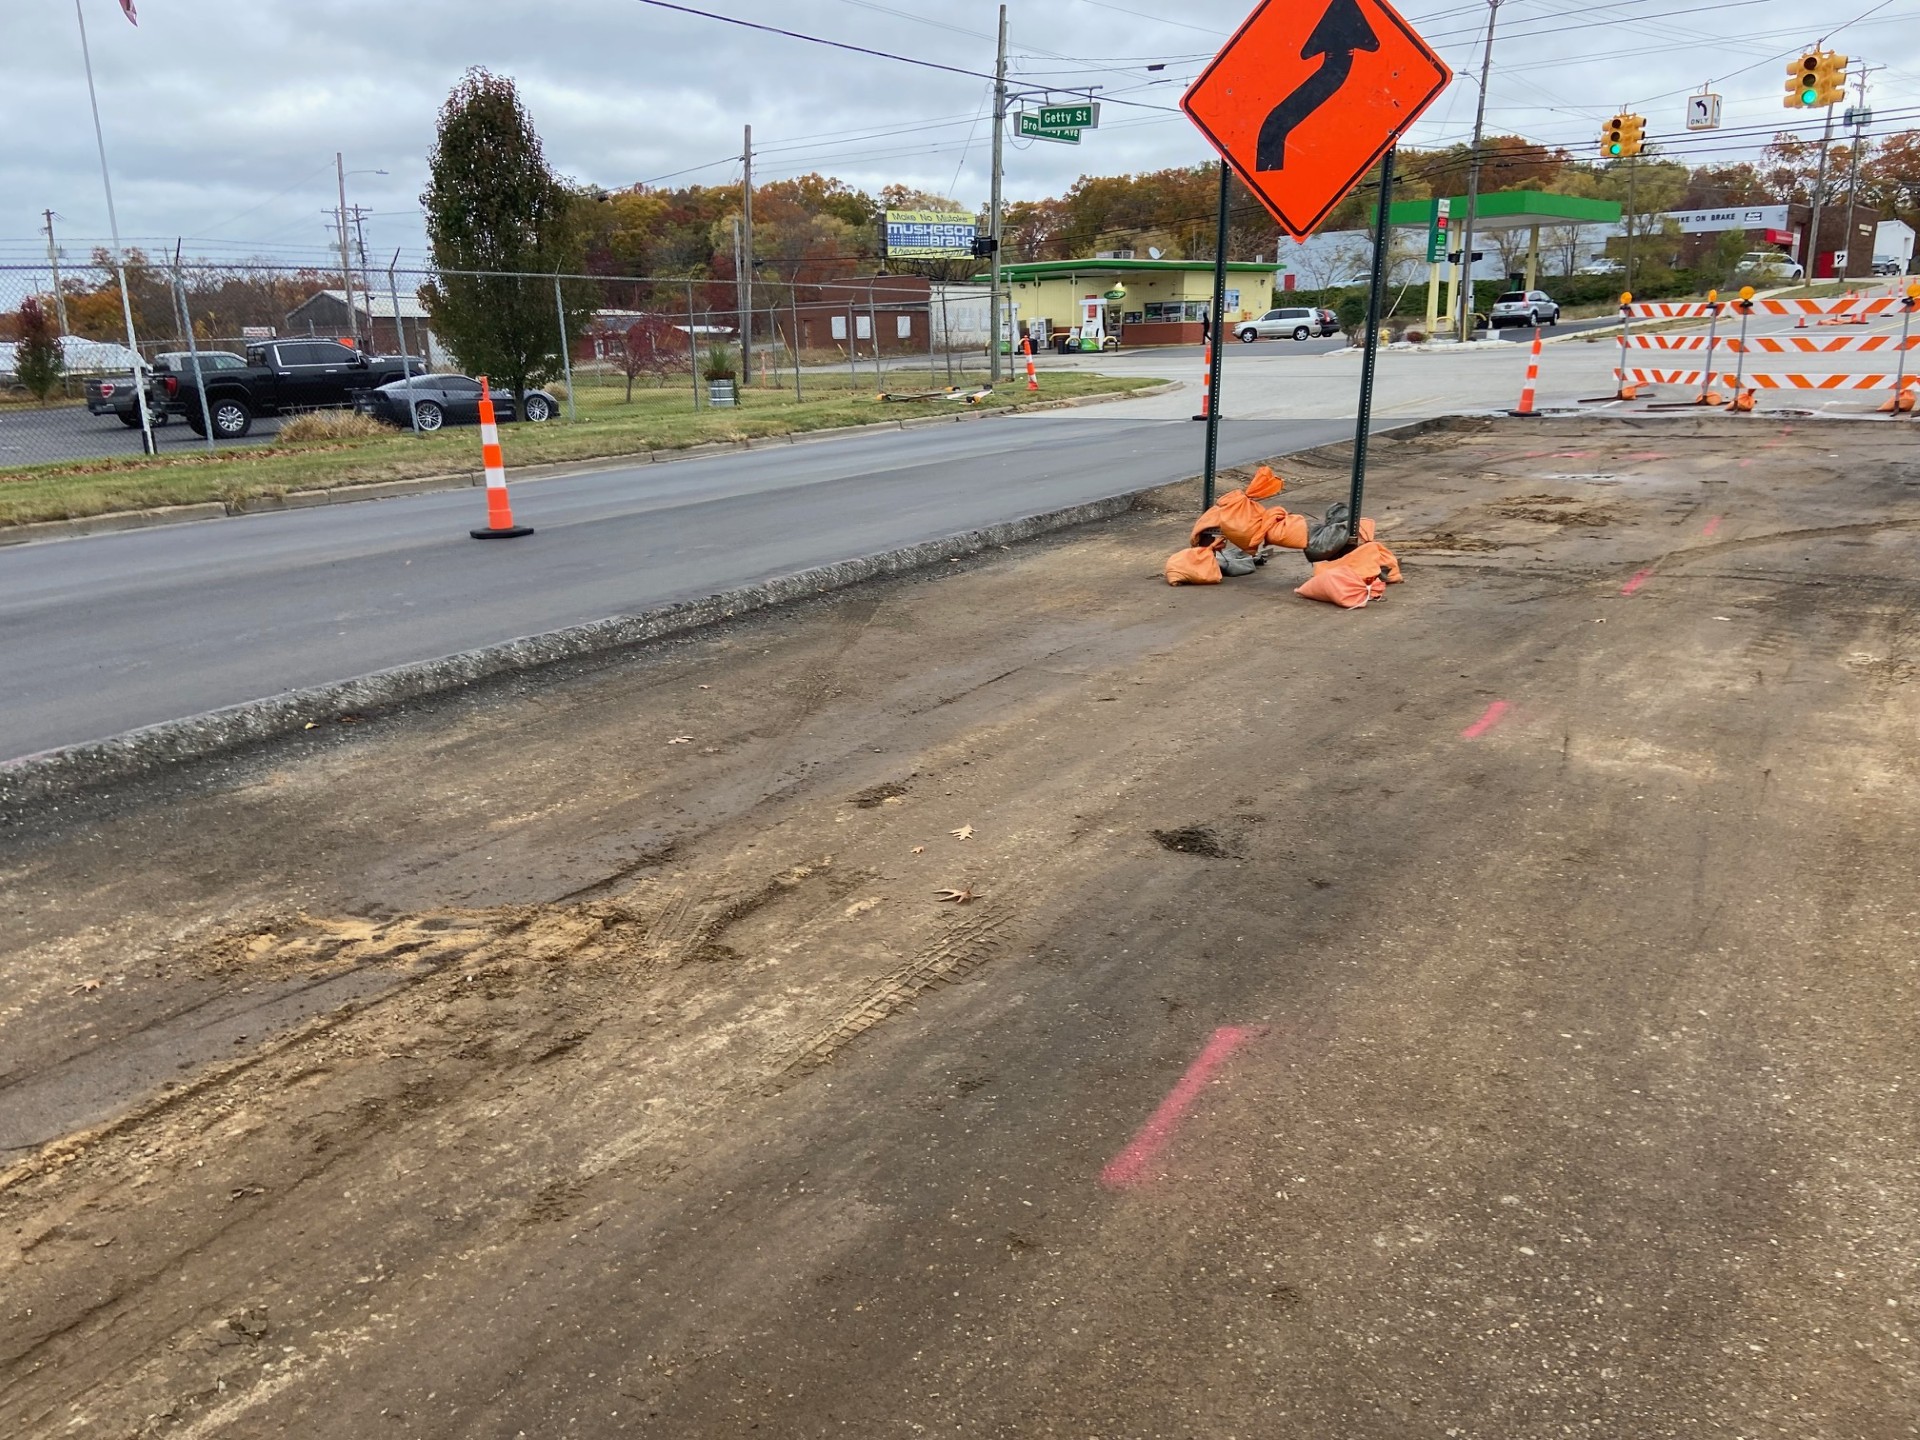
x=507, y=533
x=1524, y=414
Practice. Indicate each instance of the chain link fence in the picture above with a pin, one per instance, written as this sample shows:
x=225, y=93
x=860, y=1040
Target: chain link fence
x=213, y=342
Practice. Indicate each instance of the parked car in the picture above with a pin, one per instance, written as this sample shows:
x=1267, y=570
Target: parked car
x=1887, y=267
x=281, y=377
x=448, y=400
x=1302, y=322
x=114, y=395
x=1525, y=307
x=1602, y=267
x=172, y=378
x=1768, y=265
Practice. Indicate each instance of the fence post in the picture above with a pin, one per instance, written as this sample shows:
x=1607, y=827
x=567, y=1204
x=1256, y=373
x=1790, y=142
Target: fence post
x=400, y=333
x=853, y=348
x=693, y=350
x=873, y=324
x=193, y=347
x=930, y=360
x=566, y=350
x=793, y=299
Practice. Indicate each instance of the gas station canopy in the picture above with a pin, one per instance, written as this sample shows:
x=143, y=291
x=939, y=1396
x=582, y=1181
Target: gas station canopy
x=1512, y=210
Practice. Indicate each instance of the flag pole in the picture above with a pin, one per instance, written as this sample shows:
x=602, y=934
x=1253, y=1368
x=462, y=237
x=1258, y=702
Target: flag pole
x=119, y=256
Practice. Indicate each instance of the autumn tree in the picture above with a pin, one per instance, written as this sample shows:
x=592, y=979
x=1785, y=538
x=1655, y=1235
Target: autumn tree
x=1890, y=179
x=650, y=346
x=498, y=213
x=37, y=358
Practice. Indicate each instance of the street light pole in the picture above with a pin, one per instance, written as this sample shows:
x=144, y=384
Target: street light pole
x=1473, y=182
x=993, y=211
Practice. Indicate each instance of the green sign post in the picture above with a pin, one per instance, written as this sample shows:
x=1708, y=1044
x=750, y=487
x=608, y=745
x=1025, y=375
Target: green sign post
x=1070, y=117
x=1030, y=125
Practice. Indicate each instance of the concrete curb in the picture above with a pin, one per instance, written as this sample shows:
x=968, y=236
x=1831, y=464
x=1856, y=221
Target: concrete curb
x=52, y=774
x=118, y=520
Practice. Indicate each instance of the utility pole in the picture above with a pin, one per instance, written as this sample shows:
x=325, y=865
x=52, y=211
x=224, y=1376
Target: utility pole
x=746, y=275
x=53, y=259
x=740, y=298
x=1633, y=175
x=346, y=261
x=1473, y=182
x=1858, y=118
x=993, y=210
x=1810, y=260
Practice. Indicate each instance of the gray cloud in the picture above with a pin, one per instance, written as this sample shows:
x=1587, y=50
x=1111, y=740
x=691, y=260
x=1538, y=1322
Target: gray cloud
x=222, y=116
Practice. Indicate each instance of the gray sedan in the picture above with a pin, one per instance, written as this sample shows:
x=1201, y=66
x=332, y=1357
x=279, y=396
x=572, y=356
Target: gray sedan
x=440, y=400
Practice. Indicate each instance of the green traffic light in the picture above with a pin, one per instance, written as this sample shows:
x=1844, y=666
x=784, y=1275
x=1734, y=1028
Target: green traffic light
x=1613, y=149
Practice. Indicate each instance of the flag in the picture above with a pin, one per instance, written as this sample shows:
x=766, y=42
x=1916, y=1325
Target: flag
x=132, y=14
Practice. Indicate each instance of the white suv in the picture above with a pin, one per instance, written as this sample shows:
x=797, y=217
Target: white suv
x=1769, y=265
x=1302, y=322
x=1525, y=307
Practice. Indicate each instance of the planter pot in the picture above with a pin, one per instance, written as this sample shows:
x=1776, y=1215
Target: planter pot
x=720, y=393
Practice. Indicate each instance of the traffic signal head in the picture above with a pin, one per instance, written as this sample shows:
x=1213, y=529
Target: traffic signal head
x=1633, y=133
x=1613, y=139
x=1830, y=79
x=1803, y=82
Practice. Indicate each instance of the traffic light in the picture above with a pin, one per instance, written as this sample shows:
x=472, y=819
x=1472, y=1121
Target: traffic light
x=1803, y=82
x=1830, y=78
x=1623, y=137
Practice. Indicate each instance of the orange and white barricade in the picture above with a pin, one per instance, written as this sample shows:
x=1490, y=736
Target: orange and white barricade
x=499, y=524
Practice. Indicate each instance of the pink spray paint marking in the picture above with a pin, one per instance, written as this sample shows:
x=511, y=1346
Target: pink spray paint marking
x=1640, y=577
x=1494, y=714
x=1712, y=525
x=1127, y=1170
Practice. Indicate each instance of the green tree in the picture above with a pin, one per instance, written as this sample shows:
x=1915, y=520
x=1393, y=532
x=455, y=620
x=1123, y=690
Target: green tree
x=493, y=205
x=37, y=357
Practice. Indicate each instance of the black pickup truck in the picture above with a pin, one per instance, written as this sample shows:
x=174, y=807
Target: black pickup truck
x=281, y=377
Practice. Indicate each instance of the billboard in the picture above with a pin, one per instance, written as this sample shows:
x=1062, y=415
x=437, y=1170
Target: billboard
x=929, y=235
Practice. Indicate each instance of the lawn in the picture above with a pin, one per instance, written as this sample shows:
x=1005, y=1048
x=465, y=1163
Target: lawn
x=607, y=427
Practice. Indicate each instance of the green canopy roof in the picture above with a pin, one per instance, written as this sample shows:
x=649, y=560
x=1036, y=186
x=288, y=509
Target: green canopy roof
x=1511, y=210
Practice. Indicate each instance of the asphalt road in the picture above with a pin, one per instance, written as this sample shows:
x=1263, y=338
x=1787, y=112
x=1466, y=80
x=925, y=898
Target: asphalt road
x=32, y=437
x=112, y=632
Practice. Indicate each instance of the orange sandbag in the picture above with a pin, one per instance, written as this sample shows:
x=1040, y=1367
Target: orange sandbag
x=1287, y=531
x=1240, y=516
x=1341, y=585
x=1198, y=566
x=1371, y=559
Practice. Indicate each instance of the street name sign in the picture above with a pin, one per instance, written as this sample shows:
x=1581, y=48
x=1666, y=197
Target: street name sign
x=1028, y=124
x=1070, y=117
x=1306, y=97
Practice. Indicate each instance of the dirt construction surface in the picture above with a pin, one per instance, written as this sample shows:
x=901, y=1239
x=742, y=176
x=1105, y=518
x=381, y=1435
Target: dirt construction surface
x=1487, y=1014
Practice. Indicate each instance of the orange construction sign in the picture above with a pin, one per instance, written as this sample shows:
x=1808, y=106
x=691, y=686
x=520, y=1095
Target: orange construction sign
x=1308, y=95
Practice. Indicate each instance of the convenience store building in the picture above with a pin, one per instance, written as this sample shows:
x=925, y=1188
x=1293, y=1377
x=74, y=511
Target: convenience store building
x=1142, y=302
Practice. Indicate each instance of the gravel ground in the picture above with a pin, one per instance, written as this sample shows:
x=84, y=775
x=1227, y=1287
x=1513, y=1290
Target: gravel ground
x=1486, y=1014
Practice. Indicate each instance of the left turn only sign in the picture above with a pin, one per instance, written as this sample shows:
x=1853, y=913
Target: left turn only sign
x=1306, y=98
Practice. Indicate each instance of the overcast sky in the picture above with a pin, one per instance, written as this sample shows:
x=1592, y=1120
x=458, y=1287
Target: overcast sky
x=222, y=116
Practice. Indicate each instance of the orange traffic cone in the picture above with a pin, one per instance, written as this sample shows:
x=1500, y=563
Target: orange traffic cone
x=1206, y=380
x=500, y=524
x=1526, y=410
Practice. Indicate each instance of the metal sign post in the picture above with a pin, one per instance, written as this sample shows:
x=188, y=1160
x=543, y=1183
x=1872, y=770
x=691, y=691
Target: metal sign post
x=1376, y=294
x=1217, y=336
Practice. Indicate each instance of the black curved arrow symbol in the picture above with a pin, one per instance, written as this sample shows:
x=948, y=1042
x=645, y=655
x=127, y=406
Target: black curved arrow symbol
x=1341, y=31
